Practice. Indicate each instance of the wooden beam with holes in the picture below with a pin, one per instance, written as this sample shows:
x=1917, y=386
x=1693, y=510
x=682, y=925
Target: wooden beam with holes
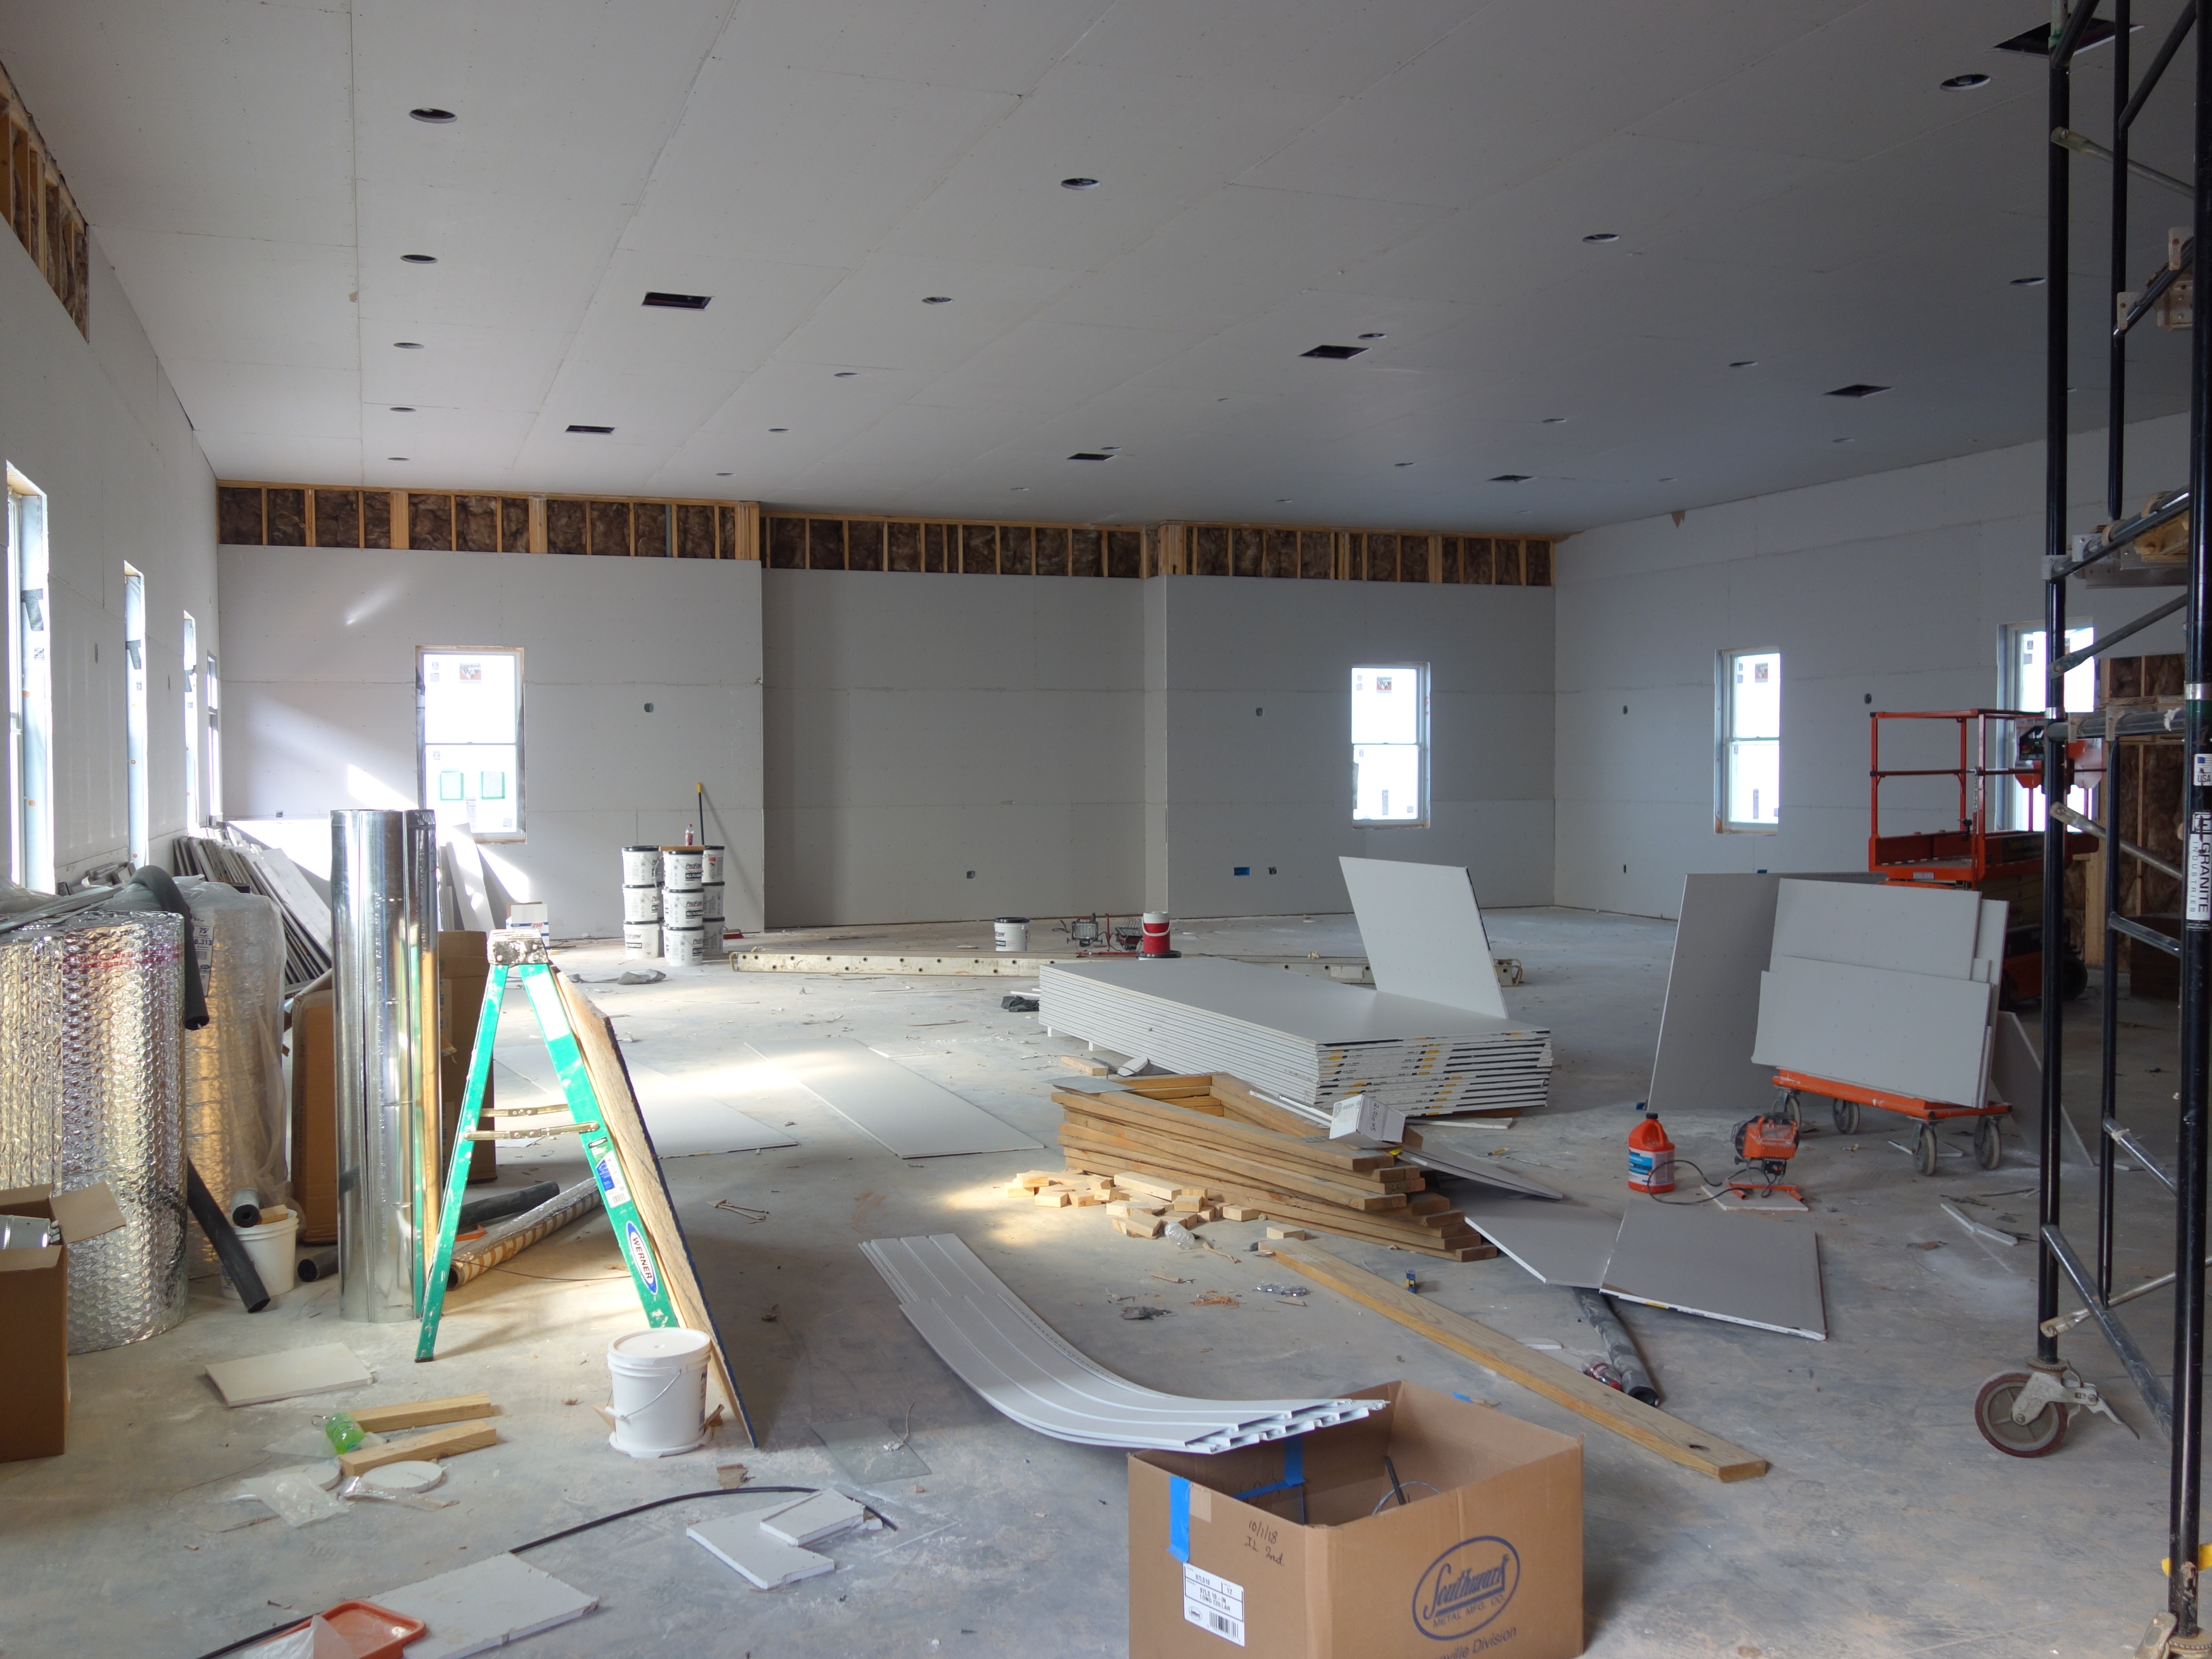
x=1561, y=1383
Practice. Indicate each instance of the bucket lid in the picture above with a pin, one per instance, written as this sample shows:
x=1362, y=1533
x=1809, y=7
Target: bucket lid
x=668, y=1342
x=680, y=928
x=641, y=846
x=1024, y=921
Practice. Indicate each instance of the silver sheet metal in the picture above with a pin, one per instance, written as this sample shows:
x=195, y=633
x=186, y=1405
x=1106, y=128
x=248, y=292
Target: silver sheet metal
x=91, y=1090
x=384, y=909
x=234, y=1097
x=998, y=1346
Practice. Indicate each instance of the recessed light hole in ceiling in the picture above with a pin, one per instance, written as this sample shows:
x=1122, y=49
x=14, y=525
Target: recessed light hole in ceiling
x=408, y=345
x=844, y=373
x=1856, y=389
x=1374, y=336
x=403, y=409
x=1079, y=184
x=601, y=431
x=721, y=475
x=778, y=428
x=395, y=458
x=1089, y=455
x=1282, y=500
x=1843, y=441
x=2026, y=282
x=1965, y=82
x=436, y=118
x=1401, y=463
x=678, y=301
x=1335, y=353
x=1602, y=236
x=1513, y=477
x=1555, y=419
x=418, y=259
x=1019, y=489
x=937, y=299
x=1744, y=362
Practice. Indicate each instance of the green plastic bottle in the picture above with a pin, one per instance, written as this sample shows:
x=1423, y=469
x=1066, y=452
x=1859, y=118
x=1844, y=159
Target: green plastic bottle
x=343, y=1432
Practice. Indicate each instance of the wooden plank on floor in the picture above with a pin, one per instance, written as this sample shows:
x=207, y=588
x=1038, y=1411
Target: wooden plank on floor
x=1556, y=1381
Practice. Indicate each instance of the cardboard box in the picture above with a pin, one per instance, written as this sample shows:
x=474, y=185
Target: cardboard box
x=464, y=965
x=314, y=1119
x=1305, y=1565
x=35, y=1394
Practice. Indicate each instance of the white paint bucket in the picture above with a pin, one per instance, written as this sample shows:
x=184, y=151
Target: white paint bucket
x=682, y=945
x=1011, y=932
x=658, y=1383
x=640, y=904
x=682, y=868
x=710, y=866
x=641, y=938
x=272, y=1245
x=684, y=910
x=640, y=867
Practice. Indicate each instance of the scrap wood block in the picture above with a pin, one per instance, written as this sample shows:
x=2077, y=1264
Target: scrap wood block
x=1219, y=1172
x=1162, y=1190
x=1033, y=1179
x=1053, y=1198
x=1086, y=1064
x=437, y=1442
x=416, y=1413
x=1139, y=1227
x=1288, y=1232
x=1241, y=1213
x=1085, y=1201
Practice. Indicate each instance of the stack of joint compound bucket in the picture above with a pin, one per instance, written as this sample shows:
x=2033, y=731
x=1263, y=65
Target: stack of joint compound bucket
x=641, y=901
x=690, y=902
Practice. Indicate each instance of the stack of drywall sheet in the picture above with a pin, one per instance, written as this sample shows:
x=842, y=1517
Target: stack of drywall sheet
x=1004, y=1352
x=1889, y=987
x=1306, y=1041
x=1200, y=1133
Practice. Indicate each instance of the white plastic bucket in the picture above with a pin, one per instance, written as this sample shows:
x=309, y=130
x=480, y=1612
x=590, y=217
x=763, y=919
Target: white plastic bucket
x=640, y=867
x=640, y=904
x=272, y=1245
x=683, y=909
x=658, y=1383
x=710, y=866
x=1011, y=932
x=641, y=938
x=682, y=945
x=682, y=868
x=713, y=889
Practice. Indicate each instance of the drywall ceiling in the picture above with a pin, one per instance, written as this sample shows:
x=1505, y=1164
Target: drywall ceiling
x=1787, y=179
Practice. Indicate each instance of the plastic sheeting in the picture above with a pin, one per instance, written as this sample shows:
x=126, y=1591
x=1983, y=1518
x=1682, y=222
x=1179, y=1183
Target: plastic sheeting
x=91, y=1090
x=236, y=1105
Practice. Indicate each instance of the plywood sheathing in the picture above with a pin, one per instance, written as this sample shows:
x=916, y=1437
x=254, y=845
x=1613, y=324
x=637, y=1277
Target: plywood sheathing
x=40, y=209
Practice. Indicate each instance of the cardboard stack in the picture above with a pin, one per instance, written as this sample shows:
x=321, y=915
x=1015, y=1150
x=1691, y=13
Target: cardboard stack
x=1214, y=1134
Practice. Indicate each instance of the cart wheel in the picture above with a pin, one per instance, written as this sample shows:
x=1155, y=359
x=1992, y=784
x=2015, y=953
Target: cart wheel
x=1987, y=1149
x=1925, y=1151
x=1847, y=1116
x=2037, y=1437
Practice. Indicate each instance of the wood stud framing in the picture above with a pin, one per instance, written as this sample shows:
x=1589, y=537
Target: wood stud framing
x=40, y=209
x=292, y=515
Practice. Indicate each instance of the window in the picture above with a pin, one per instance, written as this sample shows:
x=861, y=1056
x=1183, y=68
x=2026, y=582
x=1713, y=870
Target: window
x=191, y=655
x=1391, y=743
x=1750, y=740
x=211, y=699
x=469, y=725
x=134, y=714
x=2024, y=667
x=30, y=688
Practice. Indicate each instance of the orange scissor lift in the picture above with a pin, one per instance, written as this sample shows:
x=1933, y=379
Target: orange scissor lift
x=1999, y=864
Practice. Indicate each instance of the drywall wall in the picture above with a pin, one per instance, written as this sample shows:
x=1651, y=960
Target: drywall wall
x=319, y=702
x=94, y=423
x=1248, y=761
x=1887, y=591
x=921, y=727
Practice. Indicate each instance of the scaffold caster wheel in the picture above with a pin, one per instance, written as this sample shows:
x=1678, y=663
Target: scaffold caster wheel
x=1989, y=1151
x=1925, y=1150
x=2036, y=1437
x=1846, y=1114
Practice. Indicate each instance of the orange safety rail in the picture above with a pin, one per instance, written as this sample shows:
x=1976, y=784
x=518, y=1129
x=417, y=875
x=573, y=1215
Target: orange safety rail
x=1973, y=852
x=1885, y=1100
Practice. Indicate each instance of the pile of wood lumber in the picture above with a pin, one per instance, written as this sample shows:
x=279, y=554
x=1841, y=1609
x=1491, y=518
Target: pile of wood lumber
x=1209, y=1140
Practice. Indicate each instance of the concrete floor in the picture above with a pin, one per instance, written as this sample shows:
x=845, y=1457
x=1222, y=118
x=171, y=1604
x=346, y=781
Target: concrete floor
x=1885, y=1527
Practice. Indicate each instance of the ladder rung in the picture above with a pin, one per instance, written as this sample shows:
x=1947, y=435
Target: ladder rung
x=532, y=1134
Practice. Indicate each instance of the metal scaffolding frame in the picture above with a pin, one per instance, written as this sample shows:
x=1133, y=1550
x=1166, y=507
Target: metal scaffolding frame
x=2050, y=1386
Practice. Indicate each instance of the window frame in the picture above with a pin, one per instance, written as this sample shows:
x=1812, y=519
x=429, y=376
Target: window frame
x=2023, y=809
x=1725, y=740
x=424, y=793
x=30, y=686
x=1420, y=745
x=189, y=651
x=138, y=806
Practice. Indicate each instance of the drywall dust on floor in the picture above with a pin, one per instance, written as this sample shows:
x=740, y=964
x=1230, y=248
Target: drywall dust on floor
x=1885, y=1526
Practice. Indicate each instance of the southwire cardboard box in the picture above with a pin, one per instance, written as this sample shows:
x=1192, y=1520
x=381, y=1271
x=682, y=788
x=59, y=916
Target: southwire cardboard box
x=34, y=1393
x=1299, y=1549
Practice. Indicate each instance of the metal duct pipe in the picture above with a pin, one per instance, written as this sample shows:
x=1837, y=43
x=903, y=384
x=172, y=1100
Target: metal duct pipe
x=384, y=913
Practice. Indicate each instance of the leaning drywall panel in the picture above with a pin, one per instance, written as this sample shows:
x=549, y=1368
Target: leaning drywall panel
x=1423, y=933
x=1912, y=929
x=1914, y=1034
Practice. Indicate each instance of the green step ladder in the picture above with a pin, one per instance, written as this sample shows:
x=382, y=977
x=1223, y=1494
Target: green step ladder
x=521, y=953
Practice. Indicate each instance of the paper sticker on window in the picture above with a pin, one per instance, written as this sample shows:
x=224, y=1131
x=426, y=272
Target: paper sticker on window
x=1213, y=1603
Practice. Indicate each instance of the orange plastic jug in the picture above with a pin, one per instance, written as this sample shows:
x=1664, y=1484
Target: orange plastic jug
x=1650, y=1156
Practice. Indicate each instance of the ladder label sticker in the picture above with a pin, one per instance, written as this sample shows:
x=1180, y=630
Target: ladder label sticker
x=2203, y=765
x=1213, y=1603
x=610, y=1177
x=2200, y=867
x=641, y=1258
